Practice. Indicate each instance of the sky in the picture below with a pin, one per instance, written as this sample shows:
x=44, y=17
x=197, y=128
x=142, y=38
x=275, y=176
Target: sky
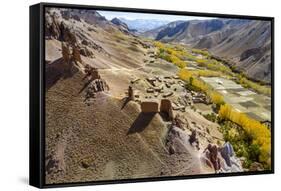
x=132, y=16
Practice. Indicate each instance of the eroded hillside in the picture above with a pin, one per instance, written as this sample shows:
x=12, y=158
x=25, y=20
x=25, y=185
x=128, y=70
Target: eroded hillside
x=246, y=44
x=115, y=109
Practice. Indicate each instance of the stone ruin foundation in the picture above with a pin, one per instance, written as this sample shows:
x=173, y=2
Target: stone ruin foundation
x=149, y=107
x=153, y=107
x=166, y=107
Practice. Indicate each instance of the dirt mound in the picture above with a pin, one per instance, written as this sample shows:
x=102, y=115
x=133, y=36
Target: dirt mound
x=57, y=70
x=99, y=129
x=94, y=148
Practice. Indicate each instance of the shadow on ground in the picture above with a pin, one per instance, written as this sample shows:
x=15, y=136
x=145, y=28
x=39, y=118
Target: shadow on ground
x=57, y=70
x=141, y=122
x=125, y=102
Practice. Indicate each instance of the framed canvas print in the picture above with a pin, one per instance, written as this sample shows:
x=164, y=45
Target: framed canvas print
x=127, y=95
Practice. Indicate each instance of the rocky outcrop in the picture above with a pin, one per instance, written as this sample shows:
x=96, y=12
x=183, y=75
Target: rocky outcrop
x=227, y=152
x=91, y=72
x=193, y=139
x=211, y=156
x=86, y=52
x=52, y=26
x=66, y=54
x=255, y=166
x=70, y=52
x=221, y=159
x=131, y=95
x=97, y=85
x=86, y=44
x=89, y=16
x=76, y=54
x=56, y=29
x=94, y=84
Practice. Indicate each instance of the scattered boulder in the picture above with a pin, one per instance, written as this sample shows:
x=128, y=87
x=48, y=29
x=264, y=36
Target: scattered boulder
x=150, y=90
x=178, y=122
x=151, y=81
x=135, y=80
x=76, y=17
x=226, y=152
x=168, y=94
x=193, y=139
x=172, y=150
x=255, y=166
x=51, y=165
x=86, y=52
x=85, y=42
x=52, y=26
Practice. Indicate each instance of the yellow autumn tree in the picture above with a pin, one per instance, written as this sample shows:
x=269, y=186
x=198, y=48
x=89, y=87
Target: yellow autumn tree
x=258, y=132
x=216, y=97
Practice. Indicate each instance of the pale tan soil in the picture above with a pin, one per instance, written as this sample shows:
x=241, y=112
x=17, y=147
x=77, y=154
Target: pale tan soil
x=116, y=143
x=52, y=49
x=110, y=138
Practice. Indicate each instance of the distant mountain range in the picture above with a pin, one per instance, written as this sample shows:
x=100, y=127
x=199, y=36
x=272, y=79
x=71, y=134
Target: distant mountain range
x=245, y=43
x=122, y=26
x=142, y=25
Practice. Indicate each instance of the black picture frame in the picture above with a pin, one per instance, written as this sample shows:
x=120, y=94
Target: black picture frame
x=37, y=93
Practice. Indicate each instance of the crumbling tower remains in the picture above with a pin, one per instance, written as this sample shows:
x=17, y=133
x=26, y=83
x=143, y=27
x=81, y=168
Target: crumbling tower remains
x=166, y=107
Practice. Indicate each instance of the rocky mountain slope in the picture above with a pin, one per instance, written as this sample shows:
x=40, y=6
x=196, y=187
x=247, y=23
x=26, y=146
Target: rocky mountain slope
x=246, y=43
x=122, y=26
x=142, y=25
x=92, y=131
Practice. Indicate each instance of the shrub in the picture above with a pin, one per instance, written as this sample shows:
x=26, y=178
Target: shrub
x=202, y=52
x=254, y=152
x=216, y=97
x=171, y=54
x=257, y=132
x=254, y=85
x=200, y=84
x=211, y=117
